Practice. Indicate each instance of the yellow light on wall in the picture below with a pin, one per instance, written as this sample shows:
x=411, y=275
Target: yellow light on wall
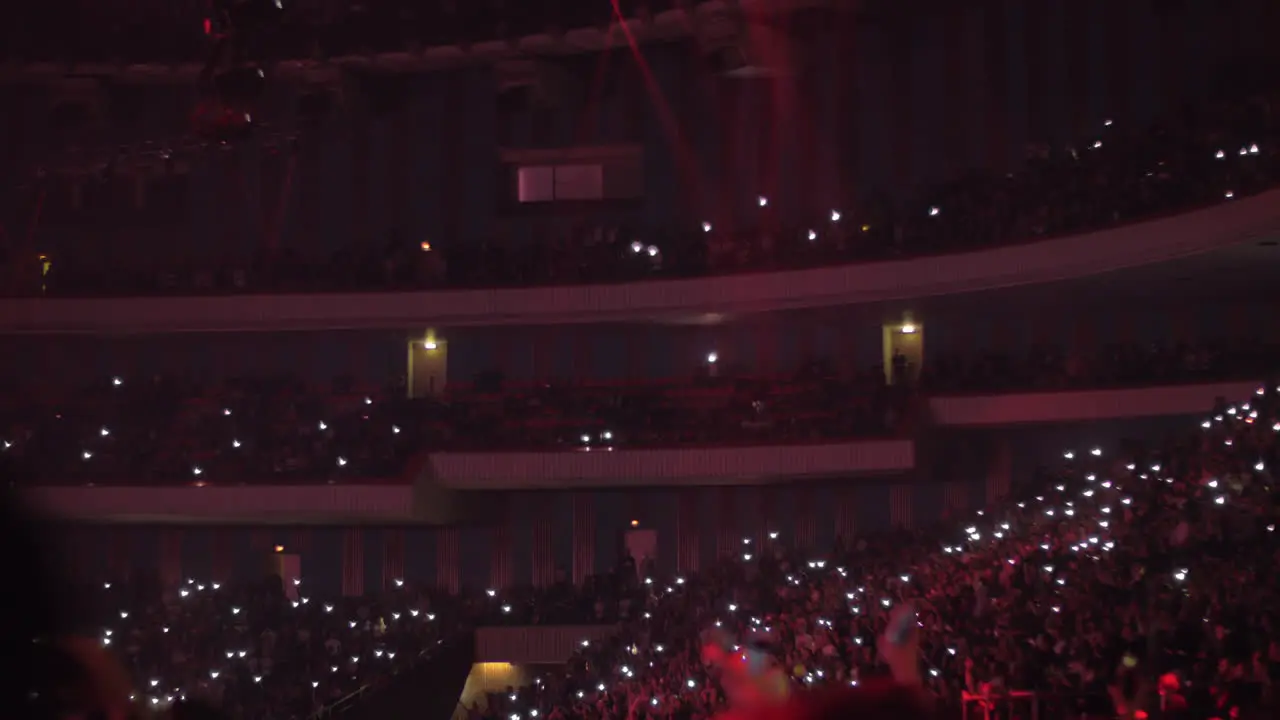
x=908, y=329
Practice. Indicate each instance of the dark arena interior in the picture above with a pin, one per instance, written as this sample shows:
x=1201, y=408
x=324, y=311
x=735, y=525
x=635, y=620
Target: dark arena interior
x=640, y=359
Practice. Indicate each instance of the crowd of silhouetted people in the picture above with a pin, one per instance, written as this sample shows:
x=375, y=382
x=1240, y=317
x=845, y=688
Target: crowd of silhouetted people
x=274, y=430
x=1119, y=175
x=278, y=429
x=1115, y=582
x=278, y=649
x=1119, y=579
x=1049, y=367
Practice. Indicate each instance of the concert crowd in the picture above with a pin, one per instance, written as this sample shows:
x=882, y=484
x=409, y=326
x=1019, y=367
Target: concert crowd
x=1208, y=155
x=1115, y=567
x=1112, y=569
x=279, y=429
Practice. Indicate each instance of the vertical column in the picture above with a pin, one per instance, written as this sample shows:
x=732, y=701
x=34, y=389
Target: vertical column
x=901, y=138
x=902, y=506
x=500, y=549
x=453, y=198
x=847, y=514
x=392, y=557
x=170, y=557
x=448, y=568
x=768, y=515
x=352, y=562
x=728, y=539
x=955, y=498
x=544, y=561
x=300, y=541
x=221, y=551
x=584, y=536
x=996, y=52
x=688, y=532
x=999, y=472
x=806, y=523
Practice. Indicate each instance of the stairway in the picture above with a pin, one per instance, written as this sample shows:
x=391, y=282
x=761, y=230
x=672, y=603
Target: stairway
x=429, y=691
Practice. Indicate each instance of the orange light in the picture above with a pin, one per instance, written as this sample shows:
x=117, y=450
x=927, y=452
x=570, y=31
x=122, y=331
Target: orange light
x=279, y=548
x=635, y=523
x=426, y=246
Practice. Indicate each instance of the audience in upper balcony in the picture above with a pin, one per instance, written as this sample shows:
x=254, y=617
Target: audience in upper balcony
x=279, y=430
x=1046, y=367
x=1120, y=175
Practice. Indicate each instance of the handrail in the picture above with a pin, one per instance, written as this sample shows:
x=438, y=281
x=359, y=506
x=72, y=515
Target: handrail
x=707, y=299
x=987, y=702
x=346, y=701
x=341, y=703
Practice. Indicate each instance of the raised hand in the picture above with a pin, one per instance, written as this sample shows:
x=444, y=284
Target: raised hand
x=900, y=645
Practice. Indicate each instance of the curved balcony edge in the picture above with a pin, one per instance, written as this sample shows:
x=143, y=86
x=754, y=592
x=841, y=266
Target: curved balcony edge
x=398, y=503
x=401, y=502
x=1066, y=258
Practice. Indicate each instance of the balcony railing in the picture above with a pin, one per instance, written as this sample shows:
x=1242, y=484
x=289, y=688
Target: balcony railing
x=1147, y=243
